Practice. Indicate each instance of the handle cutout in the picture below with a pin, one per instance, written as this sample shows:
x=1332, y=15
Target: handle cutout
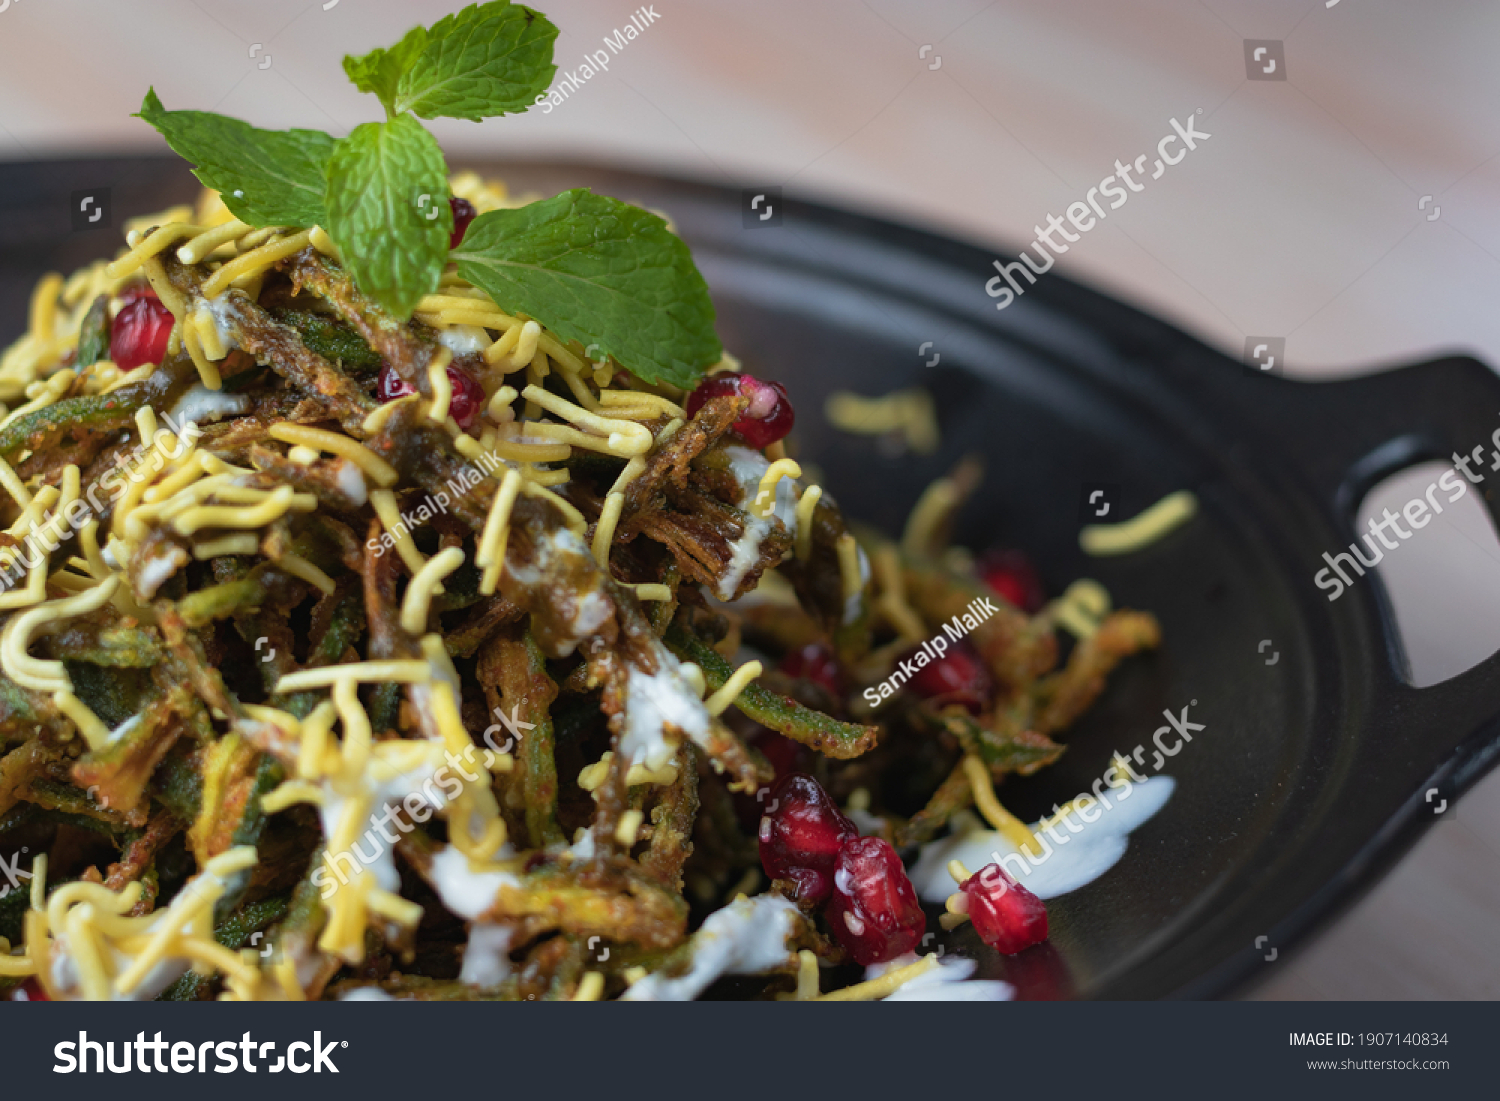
x=1440, y=569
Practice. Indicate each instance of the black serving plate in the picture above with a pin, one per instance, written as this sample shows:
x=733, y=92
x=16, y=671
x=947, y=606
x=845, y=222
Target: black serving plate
x=1310, y=776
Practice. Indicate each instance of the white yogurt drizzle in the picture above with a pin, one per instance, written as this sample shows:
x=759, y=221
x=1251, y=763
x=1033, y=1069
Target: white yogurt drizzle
x=1068, y=856
x=949, y=981
x=652, y=699
x=748, y=467
x=744, y=938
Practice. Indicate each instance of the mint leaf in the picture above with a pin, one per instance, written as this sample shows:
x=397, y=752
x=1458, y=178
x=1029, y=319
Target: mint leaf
x=486, y=60
x=598, y=271
x=388, y=210
x=265, y=177
x=379, y=71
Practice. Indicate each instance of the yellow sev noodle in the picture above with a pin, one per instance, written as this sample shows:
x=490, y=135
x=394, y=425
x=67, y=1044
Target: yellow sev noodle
x=418, y=598
x=1141, y=531
x=36, y=673
x=908, y=411
x=721, y=700
x=384, y=503
x=609, y=516
x=1013, y=828
x=886, y=984
x=253, y=261
x=807, y=506
x=345, y=447
x=765, y=495
x=491, y=554
x=372, y=672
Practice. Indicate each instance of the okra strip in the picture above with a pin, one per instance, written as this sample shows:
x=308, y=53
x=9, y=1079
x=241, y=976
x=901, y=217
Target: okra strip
x=513, y=663
x=672, y=823
x=1002, y=740
x=814, y=729
x=953, y=795
x=98, y=412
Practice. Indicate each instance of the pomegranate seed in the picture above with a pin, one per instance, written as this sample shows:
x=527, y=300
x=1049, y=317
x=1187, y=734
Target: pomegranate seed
x=1005, y=914
x=29, y=991
x=770, y=415
x=1010, y=573
x=463, y=214
x=959, y=676
x=468, y=397
x=390, y=386
x=814, y=662
x=140, y=331
x=801, y=835
x=463, y=406
x=874, y=911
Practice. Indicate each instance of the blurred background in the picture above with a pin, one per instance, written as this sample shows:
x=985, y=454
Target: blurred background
x=1347, y=202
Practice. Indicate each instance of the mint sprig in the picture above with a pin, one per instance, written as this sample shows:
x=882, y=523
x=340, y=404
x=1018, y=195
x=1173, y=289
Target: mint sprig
x=388, y=210
x=266, y=177
x=598, y=271
x=486, y=60
x=591, y=268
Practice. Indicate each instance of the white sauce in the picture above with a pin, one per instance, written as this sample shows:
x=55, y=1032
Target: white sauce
x=487, y=955
x=744, y=938
x=367, y=994
x=949, y=981
x=653, y=700
x=219, y=309
x=155, y=572
x=748, y=467
x=464, y=340
x=370, y=840
x=743, y=555
x=856, y=600
x=351, y=481
x=583, y=847
x=464, y=891
x=591, y=608
x=201, y=405
x=1078, y=859
x=65, y=973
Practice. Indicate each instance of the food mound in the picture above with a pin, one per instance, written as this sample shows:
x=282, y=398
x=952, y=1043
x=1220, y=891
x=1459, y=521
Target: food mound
x=458, y=652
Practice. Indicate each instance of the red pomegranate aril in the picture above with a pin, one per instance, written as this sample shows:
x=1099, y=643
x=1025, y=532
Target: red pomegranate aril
x=140, y=331
x=959, y=676
x=390, y=386
x=464, y=406
x=801, y=835
x=814, y=662
x=463, y=214
x=468, y=397
x=874, y=911
x=1010, y=573
x=770, y=414
x=1005, y=914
